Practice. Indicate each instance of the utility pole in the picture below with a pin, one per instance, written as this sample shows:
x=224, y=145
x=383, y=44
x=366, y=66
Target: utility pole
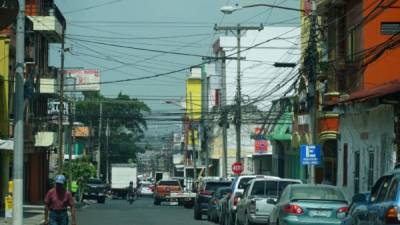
x=204, y=112
x=107, y=151
x=98, y=155
x=311, y=61
x=18, y=168
x=238, y=98
x=224, y=117
x=72, y=142
x=61, y=108
x=193, y=139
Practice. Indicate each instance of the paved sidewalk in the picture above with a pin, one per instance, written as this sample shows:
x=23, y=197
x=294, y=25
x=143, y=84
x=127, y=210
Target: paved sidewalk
x=29, y=219
x=34, y=214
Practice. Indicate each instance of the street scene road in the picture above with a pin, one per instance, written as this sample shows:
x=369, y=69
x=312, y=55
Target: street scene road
x=243, y=112
x=141, y=212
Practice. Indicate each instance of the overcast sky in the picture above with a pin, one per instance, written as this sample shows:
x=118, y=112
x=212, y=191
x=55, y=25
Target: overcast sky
x=168, y=25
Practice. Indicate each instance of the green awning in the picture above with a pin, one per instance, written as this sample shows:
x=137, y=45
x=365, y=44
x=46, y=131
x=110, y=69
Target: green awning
x=283, y=128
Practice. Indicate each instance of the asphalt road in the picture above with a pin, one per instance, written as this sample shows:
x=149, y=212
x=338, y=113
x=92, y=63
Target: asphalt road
x=141, y=212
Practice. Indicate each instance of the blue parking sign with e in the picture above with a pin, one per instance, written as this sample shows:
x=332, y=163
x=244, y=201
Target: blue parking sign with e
x=310, y=154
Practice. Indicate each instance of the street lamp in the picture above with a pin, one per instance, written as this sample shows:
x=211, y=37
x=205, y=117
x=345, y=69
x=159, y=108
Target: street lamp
x=229, y=9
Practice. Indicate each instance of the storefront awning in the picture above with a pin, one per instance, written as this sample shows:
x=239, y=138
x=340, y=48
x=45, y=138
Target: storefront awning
x=282, y=129
x=379, y=91
x=6, y=144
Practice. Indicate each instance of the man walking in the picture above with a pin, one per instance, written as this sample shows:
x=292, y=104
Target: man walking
x=57, y=201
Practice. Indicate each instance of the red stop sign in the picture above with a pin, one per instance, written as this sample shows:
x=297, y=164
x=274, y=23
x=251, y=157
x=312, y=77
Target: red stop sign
x=237, y=168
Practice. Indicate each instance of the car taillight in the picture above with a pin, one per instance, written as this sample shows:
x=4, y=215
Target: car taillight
x=236, y=200
x=341, y=213
x=293, y=209
x=392, y=216
x=252, y=207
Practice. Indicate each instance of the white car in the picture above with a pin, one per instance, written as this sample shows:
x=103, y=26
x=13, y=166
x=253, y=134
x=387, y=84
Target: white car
x=146, y=190
x=238, y=186
x=254, y=206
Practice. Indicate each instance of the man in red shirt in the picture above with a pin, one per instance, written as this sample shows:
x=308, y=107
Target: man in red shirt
x=57, y=201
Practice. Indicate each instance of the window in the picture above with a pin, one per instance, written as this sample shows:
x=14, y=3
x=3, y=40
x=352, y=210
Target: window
x=271, y=188
x=243, y=182
x=351, y=43
x=345, y=161
x=371, y=170
x=283, y=184
x=383, y=191
x=356, y=172
x=168, y=183
x=377, y=187
x=213, y=186
x=390, y=28
x=317, y=193
x=393, y=191
x=258, y=188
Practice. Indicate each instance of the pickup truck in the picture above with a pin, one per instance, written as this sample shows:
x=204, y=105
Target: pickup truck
x=95, y=190
x=163, y=190
x=254, y=207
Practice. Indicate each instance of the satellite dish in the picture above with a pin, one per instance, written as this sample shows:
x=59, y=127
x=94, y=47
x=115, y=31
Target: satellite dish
x=8, y=12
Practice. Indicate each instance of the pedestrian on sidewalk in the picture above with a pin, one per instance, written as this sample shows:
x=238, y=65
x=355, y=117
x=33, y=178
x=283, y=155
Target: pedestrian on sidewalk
x=57, y=201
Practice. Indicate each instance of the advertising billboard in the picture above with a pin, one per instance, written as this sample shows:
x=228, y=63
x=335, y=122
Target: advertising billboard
x=85, y=80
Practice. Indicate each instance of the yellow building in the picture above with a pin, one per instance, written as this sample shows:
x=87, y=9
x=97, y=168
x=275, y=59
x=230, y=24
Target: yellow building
x=5, y=156
x=4, y=63
x=193, y=94
x=193, y=102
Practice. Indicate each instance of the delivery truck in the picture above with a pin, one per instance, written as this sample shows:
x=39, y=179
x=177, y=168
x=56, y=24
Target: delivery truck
x=121, y=175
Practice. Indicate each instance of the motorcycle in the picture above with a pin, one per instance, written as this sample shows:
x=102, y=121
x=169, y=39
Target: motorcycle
x=132, y=196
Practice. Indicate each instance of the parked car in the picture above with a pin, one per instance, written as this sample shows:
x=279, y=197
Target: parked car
x=214, y=205
x=203, y=196
x=238, y=186
x=95, y=190
x=381, y=206
x=224, y=207
x=163, y=190
x=146, y=189
x=309, y=204
x=357, y=200
x=253, y=207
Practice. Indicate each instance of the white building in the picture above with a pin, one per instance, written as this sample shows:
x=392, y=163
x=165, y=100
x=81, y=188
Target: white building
x=261, y=82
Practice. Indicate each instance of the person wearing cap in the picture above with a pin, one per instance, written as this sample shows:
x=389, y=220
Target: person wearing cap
x=57, y=201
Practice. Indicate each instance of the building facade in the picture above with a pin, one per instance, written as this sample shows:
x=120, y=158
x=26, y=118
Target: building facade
x=360, y=90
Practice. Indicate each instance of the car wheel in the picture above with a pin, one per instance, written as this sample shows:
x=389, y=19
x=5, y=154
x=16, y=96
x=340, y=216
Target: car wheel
x=247, y=221
x=197, y=213
x=157, y=201
x=187, y=205
x=101, y=200
x=237, y=220
x=231, y=219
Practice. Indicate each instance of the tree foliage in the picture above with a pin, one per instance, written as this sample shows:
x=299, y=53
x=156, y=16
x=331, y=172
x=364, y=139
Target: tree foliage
x=125, y=117
x=81, y=169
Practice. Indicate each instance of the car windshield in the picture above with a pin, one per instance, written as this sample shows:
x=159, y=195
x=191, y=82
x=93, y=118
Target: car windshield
x=243, y=182
x=221, y=192
x=213, y=186
x=317, y=193
x=168, y=183
x=94, y=181
x=269, y=188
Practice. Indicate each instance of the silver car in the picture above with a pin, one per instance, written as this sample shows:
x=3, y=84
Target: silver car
x=254, y=207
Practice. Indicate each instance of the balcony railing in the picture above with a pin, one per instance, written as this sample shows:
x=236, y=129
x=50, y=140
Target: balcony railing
x=51, y=24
